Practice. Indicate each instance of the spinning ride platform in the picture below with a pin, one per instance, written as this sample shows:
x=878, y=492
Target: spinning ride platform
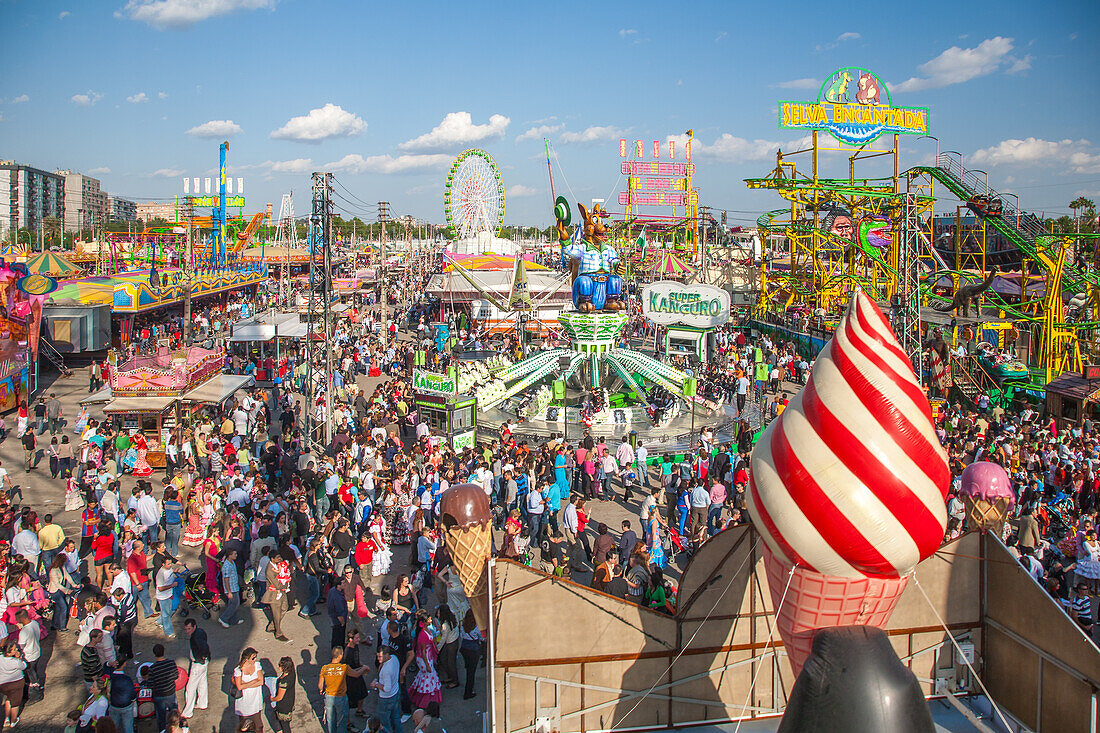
x=625, y=382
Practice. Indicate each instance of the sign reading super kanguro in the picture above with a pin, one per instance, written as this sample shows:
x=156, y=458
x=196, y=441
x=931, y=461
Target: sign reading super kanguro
x=425, y=381
x=667, y=302
x=854, y=106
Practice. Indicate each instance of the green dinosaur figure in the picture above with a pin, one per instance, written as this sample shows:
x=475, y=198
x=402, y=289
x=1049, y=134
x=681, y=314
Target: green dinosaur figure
x=837, y=93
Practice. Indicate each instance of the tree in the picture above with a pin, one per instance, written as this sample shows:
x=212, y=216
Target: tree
x=1081, y=203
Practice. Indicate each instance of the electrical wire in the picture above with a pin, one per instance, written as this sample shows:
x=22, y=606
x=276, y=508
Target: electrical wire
x=349, y=193
x=699, y=628
x=955, y=643
x=771, y=640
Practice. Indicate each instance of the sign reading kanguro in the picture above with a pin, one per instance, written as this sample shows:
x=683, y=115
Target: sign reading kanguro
x=667, y=302
x=425, y=381
x=854, y=106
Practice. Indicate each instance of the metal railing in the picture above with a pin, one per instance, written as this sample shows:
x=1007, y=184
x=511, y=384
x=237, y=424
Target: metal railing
x=1027, y=225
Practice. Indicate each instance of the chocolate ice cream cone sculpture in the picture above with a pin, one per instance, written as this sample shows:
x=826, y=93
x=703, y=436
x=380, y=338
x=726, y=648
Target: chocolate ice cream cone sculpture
x=848, y=485
x=467, y=527
x=987, y=496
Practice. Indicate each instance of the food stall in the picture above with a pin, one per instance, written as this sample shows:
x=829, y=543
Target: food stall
x=145, y=391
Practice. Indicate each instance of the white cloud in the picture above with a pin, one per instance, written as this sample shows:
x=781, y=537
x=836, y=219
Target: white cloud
x=137, y=98
x=168, y=173
x=843, y=37
x=356, y=163
x=100, y=170
x=179, y=14
x=298, y=165
x=806, y=83
x=732, y=149
x=20, y=99
x=215, y=128
x=592, y=134
x=539, y=131
x=519, y=191
x=1079, y=156
x=62, y=14
x=87, y=99
x=721, y=36
x=458, y=129
x=624, y=32
x=162, y=95
x=957, y=65
x=322, y=123
x=1019, y=65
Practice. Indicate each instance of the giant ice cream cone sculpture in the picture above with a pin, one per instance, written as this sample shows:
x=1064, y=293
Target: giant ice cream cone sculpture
x=987, y=495
x=466, y=519
x=848, y=485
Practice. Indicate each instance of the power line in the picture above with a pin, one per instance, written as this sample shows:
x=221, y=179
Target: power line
x=349, y=193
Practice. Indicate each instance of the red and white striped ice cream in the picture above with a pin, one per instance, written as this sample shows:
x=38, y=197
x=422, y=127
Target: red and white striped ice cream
x=848, y=484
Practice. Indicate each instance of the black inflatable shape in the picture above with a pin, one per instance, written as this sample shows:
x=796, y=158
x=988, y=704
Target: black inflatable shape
x=853, y=682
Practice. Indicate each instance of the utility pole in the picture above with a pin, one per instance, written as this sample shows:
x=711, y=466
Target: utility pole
x=383, y=218
x=320, y=289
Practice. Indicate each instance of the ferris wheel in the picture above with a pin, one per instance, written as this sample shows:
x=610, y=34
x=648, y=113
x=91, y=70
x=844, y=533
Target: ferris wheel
x=473, y=198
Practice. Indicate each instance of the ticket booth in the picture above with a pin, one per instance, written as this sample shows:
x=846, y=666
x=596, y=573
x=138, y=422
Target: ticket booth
x=451, y=415
x=444, y=410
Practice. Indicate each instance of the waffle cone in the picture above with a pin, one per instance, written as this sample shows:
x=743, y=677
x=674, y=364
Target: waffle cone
x=470, y=548
x=815, y=601
x=986, y=513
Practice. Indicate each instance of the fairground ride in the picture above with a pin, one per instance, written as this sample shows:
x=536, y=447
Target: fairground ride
x=473, y=196
x=843, y=234
x=877, y=234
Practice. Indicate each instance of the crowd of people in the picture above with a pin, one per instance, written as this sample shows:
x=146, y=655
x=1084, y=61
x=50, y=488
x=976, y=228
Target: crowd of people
x=257, y=513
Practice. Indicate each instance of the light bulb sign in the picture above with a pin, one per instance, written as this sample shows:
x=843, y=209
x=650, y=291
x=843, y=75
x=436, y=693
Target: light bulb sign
x=854, y=107
x=668, y=302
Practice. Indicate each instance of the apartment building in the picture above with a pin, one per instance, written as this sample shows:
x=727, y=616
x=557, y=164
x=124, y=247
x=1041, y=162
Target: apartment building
x=85, y=201
x=28, y=196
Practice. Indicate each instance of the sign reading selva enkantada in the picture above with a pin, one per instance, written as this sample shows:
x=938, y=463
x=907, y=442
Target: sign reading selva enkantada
x=854, y=106
x=425, y=381
x=667, y=302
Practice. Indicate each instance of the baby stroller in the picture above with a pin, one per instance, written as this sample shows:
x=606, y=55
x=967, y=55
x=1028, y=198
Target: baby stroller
x=680, y=543
x=196, y=596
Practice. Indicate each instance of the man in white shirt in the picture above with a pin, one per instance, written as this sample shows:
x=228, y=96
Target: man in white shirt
x=148, y=513
x=624, y=454
x=610, y=468
x=536, y=506
x=25, y=543
x=641, y=455
x=166, y=583
x=569, y=521
x=238, y=495
x=389, y=702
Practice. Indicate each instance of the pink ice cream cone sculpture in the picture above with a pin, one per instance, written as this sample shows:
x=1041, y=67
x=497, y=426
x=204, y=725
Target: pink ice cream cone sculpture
x=987, y=495
x=848, y=485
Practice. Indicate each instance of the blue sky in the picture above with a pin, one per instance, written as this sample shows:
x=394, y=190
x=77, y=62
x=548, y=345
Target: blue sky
x=140, y=92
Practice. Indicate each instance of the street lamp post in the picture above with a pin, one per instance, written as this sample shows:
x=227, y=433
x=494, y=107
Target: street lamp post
x=1017, y=207
x=986, y=175
x=933, y=137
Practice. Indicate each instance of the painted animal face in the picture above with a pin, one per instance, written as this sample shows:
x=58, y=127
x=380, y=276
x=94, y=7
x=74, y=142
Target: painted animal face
x=875, y=231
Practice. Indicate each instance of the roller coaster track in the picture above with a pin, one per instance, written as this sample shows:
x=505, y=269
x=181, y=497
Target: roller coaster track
x=1025, y=233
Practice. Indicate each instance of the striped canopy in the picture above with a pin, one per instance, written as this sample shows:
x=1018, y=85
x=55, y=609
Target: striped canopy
x=48, y=263
x=669, y=264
